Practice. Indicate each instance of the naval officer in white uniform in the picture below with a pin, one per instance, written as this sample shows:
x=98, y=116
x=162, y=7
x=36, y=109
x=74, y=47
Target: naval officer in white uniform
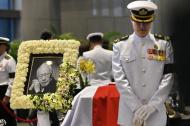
x=102, y=59
x=81, y=112
x=7, y=72
x=142, y=69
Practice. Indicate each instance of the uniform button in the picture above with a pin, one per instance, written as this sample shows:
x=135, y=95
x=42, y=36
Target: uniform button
x=143, y=57
x=127, y=59
x=144, y=85
x=143, y=70
x=144, y=101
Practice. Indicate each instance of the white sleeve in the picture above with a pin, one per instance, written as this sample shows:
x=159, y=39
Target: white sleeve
x=166, y=82
x=11, y=68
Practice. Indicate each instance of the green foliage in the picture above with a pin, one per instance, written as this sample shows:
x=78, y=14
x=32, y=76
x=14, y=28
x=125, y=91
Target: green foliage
x=111, y=36
x=66, y=36
x=14, y=48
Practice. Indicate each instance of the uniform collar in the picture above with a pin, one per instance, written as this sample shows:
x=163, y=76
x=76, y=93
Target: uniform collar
x=3, y=55
x=147, y=37
x=97, y=47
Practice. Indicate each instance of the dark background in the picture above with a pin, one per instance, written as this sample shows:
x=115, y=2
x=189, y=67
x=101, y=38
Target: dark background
x=180, y=28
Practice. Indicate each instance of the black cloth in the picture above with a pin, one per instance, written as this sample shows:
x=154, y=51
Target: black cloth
x=4, y=116
x=52, y=116
x=180, y=25
x=169, y=68
x=178, y=122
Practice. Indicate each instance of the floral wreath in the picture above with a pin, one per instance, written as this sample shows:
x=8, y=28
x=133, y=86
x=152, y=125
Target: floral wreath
x=66, y=82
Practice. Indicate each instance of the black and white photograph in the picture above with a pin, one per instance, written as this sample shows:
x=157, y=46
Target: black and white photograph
x=43, y=73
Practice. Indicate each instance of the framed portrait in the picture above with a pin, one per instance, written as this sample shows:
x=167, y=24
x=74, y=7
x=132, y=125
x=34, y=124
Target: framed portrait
x=43, y=74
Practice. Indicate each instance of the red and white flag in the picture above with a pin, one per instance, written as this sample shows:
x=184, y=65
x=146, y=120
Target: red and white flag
x=94, y=106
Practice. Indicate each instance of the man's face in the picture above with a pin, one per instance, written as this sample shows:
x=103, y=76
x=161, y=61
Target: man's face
x=141, y=29
x=44, y=76
x=3, y=48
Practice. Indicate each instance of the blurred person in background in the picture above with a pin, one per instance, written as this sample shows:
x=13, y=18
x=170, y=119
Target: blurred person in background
x=102, y=59
x=7, y=73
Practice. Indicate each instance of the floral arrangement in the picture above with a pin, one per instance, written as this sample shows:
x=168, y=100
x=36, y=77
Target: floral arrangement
x=66, y=82
x=86, y=67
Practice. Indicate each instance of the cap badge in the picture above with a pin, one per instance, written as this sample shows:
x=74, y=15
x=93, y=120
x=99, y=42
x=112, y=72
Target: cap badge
x=143, y=12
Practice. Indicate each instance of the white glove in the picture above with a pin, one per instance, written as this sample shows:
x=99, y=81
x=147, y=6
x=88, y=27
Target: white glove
x=137, y=119
x=145, y=111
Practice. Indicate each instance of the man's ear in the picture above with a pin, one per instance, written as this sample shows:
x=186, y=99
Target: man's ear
x=8, y=48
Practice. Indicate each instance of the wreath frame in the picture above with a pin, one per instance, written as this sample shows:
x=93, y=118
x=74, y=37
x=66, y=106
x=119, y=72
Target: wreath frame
x=66, y=82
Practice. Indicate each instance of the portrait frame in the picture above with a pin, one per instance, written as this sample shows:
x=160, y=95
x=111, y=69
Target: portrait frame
x=61, y=98
x=38, y=61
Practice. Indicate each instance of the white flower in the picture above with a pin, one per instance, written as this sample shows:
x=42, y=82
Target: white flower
x=69, y=48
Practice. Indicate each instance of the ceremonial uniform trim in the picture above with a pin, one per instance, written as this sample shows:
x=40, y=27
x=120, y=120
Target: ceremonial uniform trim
x=121, y=39
x=159, y=36
x=139, y=16
x=7, y=57
x=142, y=21
x=12, y=75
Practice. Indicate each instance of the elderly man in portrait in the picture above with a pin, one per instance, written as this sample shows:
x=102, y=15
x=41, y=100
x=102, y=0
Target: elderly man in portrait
x=44, y=81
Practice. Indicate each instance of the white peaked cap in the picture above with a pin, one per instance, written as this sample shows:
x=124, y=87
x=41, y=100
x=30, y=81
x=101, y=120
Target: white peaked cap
x=4, y=39
x=139, y=4
x=94, y=34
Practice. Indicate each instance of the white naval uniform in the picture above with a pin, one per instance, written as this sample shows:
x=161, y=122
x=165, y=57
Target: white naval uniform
x=7, y=67
x=140, y=80
x=103, y=63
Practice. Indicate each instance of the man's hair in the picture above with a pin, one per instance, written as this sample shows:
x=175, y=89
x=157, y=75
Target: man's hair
x=46, y=35
x=95, y=39
x=49, y=67
x=8, y=46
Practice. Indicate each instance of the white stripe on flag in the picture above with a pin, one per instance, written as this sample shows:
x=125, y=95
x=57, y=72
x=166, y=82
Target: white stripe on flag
x=81, y=113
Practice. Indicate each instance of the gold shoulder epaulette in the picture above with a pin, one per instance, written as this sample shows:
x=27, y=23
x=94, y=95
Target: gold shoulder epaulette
x=7, y=56
x=159, y=36
x=121, y=39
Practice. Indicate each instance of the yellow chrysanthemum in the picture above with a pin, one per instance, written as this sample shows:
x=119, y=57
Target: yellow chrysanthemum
x=86, y=66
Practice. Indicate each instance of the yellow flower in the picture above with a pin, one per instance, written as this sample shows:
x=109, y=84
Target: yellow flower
x=86, y=66
x=62, y=98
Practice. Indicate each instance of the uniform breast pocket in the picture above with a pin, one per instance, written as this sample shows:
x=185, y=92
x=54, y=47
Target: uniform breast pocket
x=127, y=61
x=128, y=64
